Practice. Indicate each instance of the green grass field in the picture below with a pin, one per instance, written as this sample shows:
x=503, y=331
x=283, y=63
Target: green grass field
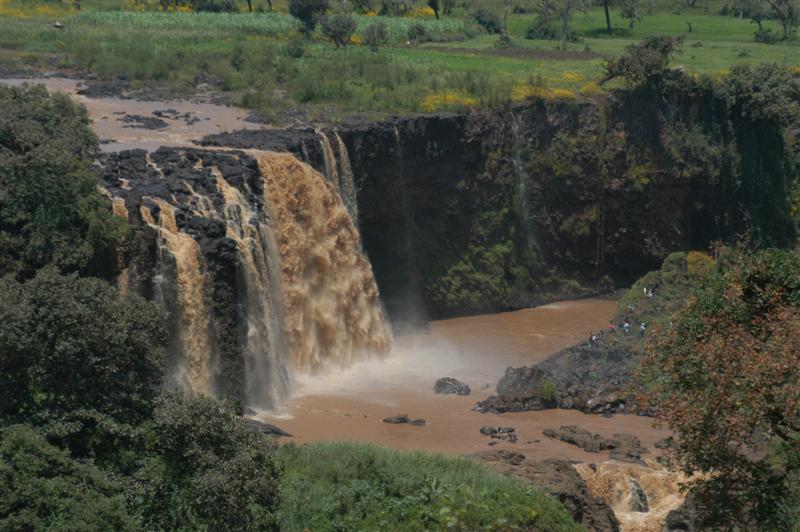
x=247, y=55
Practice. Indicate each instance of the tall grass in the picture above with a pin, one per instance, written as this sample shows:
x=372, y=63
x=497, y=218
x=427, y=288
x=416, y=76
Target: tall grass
x=244, y=23
x=352, y=486
x=397, y=28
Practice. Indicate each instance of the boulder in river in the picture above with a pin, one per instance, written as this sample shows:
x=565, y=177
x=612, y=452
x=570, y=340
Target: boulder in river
x=450, y=386
x=404, y=419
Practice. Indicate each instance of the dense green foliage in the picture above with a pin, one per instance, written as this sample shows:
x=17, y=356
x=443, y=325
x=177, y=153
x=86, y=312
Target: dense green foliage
x=70, y=343
x=644, y=62
x=207, y=469
x=308, y=12
x=348, y=486
x=50, y=209
x=339, y=29
x=725, y=373
x=42, y=488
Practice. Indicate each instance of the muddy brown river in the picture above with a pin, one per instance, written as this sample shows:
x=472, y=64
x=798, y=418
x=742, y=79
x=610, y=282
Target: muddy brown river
x=350, y=404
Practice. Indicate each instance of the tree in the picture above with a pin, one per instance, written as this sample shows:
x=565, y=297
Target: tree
x=339, y=29
x=50, y=209
x=70, y=344
x=643, y=62
x=308, y=12
x=376, y=35
x=608, y=16
x=725, y=376
x=208, y=471
x=44, y=489
x=565, y=10
x=787, y=12
x=629, y=9
x=434, y=4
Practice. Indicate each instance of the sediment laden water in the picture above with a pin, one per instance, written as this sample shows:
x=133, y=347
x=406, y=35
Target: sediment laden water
x=615, y=483
x=332, y=310
x=189, y=266
x=303, y=291
x=339, y=172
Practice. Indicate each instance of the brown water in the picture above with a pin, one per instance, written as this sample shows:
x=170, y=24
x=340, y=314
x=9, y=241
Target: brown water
x=611, y=481
x=332, y=313
x=350, y=404
x=116, y=135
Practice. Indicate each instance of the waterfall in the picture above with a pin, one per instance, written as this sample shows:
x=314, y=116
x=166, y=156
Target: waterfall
x=332, y=310
x=347, y=185
x=520, y=180
x=625, y=486
x=339, y=172
x=185, y=253
x=266, y=377
x=258, y=261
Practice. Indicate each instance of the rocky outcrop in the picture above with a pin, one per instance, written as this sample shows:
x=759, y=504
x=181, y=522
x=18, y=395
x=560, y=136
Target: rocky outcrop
x=450, y=386
x=593, y=380
x=560, y=480
x=623, y=447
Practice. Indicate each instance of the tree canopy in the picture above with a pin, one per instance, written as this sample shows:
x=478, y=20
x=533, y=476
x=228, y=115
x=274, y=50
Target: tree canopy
x=51, y=211
x=726, y=378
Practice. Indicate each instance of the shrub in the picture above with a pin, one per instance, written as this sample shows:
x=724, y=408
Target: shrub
x=44, y=489
x=308, y=12
x=50, y=209
x=339, y=29
x=376, y=35
x=545, y=30
x=214, y=6
x=488, y=20
x=644, y=62
x=296, y=47
x=547, y=391
x=211, y=471
x=416, y=33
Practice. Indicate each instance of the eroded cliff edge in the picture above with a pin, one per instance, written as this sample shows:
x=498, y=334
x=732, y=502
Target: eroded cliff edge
x=498, y=209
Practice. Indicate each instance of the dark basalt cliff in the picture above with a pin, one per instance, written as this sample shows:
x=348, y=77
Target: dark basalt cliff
x=498, y=209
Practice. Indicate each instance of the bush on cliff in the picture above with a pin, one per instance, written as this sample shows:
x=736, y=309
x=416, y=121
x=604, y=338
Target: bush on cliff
x=725, y=374
x=50, y=209
x=351, y=486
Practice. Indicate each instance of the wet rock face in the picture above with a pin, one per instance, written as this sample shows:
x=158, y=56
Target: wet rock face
x=179, y=177
x=560, y=480
x=638, y=497
x=432, y=189
x=450, y=386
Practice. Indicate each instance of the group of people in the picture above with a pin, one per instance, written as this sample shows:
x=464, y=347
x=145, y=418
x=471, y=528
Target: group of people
x=625, y=325
x=612, y=329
